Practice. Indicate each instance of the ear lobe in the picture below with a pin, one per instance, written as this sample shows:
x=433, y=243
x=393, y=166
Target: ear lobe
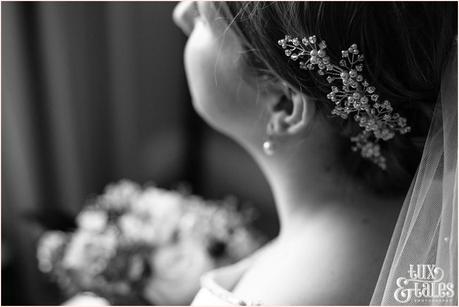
x=302, y=112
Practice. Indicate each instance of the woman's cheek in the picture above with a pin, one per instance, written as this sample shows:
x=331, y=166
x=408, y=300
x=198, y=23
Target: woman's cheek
x=220, y=94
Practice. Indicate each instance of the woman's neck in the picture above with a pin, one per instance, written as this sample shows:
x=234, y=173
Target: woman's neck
x=309, y=189
x=332, y=230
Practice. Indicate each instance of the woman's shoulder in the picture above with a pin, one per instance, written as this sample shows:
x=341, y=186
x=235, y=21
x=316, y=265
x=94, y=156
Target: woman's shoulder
x=310, y=269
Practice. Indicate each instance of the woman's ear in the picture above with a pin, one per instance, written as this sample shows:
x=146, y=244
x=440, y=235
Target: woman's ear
x=292, y=114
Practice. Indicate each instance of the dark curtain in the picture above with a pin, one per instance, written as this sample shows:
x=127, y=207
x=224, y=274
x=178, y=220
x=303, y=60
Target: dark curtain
x=93, y=93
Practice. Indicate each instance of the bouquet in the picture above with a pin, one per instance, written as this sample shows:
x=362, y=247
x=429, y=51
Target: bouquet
x=147, y=245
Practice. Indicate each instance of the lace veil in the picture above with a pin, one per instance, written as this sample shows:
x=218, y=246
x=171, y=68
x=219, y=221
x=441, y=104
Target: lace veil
x=421, y=262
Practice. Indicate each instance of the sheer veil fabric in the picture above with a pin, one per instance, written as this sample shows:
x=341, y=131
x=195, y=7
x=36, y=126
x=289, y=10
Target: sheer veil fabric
x=421, y=263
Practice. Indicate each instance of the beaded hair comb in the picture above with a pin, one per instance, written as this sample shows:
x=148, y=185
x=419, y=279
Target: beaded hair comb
x=354, y=95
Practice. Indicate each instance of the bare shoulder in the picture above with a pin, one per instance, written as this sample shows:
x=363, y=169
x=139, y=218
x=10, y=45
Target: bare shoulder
x=316, y=269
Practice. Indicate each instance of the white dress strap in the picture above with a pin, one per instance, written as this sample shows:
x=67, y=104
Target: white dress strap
x=216, y=285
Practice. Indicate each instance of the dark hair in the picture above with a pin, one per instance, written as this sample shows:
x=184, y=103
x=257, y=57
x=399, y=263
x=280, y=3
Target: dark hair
x=406, y=45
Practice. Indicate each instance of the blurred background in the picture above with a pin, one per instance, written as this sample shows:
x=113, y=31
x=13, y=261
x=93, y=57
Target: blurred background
x=93, y=93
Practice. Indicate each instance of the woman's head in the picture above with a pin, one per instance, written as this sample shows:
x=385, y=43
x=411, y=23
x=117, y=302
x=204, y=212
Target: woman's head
x=215, y=71
x=405, y=44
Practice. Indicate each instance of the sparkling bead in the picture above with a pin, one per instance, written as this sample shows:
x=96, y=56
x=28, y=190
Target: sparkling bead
x=364, y=100
x=312, y=39
x=359, y=78
x=354, y=46
x=374, y=97
x=353, y=73
x=344, y=54
x=356, y=95
x=342, y=63
x=371, y=89
x=305, y=41
x=344, y=75
x=294, y=57
x=359, y=67
x=322, y=53
x=288, y=52
x=313, y=52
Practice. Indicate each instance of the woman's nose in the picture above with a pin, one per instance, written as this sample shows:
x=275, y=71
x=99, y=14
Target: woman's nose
x=184, y=15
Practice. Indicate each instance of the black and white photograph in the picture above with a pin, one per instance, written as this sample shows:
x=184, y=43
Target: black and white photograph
x=211, y=153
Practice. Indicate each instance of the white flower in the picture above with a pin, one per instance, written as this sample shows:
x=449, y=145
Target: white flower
x=88, y=253
x=48, y=245
x=159, y=203
x=242, y=244
x=120, y=195
x=162, y=209
x=136, y=229
x=92, y=220
x=177, y=270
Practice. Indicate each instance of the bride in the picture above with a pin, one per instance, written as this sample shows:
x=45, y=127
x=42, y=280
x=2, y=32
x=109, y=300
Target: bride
x=260, y=73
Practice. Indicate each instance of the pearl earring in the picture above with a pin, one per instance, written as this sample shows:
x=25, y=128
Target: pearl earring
x=268, y=147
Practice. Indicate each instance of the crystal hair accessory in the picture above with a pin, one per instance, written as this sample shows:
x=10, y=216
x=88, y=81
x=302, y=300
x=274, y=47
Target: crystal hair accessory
x=354, y=95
